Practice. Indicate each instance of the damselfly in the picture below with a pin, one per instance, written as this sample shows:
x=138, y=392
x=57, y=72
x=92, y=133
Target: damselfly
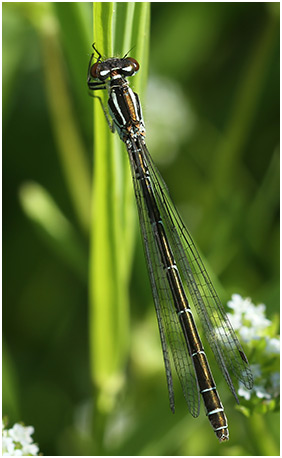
x=177, y=274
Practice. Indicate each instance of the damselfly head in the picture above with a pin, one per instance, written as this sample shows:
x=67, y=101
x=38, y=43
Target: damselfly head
x=110, y=67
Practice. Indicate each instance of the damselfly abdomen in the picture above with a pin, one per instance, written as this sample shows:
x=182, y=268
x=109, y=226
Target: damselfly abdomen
x=177, y=274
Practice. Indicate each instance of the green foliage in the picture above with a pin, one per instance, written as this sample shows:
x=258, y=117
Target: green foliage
x=112, y=233
x=215, y=68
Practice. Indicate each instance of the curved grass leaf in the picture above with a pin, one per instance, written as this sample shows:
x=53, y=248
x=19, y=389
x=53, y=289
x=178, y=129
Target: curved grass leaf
x=117, y=28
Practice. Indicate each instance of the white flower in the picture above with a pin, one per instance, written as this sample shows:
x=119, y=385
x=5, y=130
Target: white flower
x=17, y=441
x=236, y=320
x=18, y=452
x=255, y=315
x=30, y=449
x=242, y=391
x=262, y=389
x=21, y=433
x=261, y=392
x=8, y=446
x=272, y=345
x=248, y=319
x=238, y=304
x=247, y=334
x=250, y=322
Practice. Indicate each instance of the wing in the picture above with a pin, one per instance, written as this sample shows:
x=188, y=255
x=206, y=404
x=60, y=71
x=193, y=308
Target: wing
x=171, y=334
x=198, y=286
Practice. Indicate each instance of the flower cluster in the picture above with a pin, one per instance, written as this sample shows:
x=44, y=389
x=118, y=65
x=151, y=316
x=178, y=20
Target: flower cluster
x=258, y=333
x=248, y=319
x=17, y=441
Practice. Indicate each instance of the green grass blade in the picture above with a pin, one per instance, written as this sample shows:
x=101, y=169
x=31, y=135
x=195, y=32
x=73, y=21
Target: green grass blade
x=117, y=28
x=53, y=227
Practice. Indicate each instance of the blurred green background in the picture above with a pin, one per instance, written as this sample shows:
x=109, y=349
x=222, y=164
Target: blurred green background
x=212, y=117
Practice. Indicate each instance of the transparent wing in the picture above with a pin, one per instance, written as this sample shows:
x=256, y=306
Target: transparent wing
x=171, y=334
x=198, y=286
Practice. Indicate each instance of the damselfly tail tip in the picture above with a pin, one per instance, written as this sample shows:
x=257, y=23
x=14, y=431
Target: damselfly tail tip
x=223, y=435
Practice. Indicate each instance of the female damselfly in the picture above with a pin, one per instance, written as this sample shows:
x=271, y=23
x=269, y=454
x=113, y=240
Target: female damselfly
x=177, y=274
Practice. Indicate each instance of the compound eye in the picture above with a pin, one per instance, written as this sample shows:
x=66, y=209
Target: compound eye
x=94, y=71
x=98, y=71
x=134, y=63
